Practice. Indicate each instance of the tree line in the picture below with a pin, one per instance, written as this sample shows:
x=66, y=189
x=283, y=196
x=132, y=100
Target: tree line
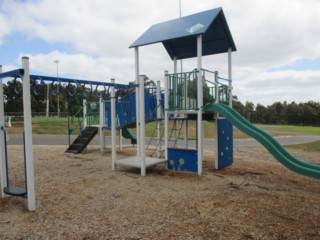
x=68, y=105
x=306, y=114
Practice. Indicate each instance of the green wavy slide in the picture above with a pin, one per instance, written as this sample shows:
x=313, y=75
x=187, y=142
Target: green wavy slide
x=128, y=134
x=275, y=148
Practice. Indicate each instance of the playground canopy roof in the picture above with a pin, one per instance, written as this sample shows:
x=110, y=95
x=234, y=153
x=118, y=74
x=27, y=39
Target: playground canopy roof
x=179, y=36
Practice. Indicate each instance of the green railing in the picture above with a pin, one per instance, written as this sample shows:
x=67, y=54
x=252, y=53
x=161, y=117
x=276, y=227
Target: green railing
x=182, y=89
x=77, y=122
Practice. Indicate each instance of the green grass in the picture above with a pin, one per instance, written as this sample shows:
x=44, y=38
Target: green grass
x=60, y=126
x=50, y=125
x=292, y=129
x=308, y=147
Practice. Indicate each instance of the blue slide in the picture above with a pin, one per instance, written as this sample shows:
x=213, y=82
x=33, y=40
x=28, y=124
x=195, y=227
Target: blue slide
x=281, y=154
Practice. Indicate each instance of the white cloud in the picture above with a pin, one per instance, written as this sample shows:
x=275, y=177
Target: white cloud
x=4, y=28
x=268, y=35
x=269, y=87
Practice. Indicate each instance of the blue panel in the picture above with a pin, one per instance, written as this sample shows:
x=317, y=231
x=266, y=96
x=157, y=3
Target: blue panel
x=183, y=160
x=126, y=111
x=120, y=113
x=179, y=36
x=177, y=28
x=150, y=106
x=225, y=143
x=108, y=114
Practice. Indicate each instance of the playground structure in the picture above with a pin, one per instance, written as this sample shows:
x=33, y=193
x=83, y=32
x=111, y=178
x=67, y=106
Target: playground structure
x=187, y=95
x=35, y=84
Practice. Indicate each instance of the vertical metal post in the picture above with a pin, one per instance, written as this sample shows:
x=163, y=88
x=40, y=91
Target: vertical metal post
x=175, y=95
x=166, y=117
x=47, y=102
x=175, y=65
x=3, y=171
x=216, y=88
x=102, y=120
x=159, y=116
x=120, y=139
x=28, y=135
x=230, y=76
x=185, y=132
x=200, y=105
x=136, y=57
x=84, y=107
x=113, y=126
x=142, y=126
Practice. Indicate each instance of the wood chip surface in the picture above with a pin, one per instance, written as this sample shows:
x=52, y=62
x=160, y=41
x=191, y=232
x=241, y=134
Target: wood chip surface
x=80, y=197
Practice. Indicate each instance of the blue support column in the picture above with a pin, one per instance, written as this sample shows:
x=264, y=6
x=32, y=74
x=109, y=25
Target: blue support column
x=225, y=143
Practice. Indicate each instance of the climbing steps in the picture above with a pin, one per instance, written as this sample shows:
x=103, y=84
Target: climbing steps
x=83, y=140
x=159, y=143
x=175, y=130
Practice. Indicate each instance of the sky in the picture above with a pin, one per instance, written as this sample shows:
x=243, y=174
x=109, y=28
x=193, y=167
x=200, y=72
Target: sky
x=277, y=57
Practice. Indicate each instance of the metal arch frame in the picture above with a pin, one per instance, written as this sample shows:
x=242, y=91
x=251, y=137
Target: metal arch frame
x=27, y=89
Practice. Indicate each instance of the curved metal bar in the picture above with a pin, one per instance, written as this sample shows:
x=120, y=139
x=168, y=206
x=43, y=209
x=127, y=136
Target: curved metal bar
x=101, y=94
x=107, y=93
x=69, y=92
x=53, y=93
x=18, y=92
x=34, y=86
x=84, y=90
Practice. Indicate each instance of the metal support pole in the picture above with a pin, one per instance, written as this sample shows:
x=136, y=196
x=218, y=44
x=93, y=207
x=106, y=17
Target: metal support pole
x=113, y=127
x=120, y=139
x=28, y=135
x=136, y=57
x=142, y=126
x=102, y=117
x=84, y=106
x=166, y=117
x=217, y=118
x=47, y=102
x=230, y=76
x=159, y=116
x=175, y=65
x=200, y=105
x=3, y=171
x=185, y=132
x=216, y=86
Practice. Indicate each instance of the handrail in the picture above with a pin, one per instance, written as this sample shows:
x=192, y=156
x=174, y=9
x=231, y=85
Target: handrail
x=182, y=89
x=80, y=121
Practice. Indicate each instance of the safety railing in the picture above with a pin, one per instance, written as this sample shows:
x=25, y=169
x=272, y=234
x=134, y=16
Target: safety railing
x=79, y=120
x=182, y=89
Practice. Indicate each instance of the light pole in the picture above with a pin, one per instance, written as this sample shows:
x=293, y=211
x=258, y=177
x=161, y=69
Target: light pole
x=58, y=107
x=47, y=103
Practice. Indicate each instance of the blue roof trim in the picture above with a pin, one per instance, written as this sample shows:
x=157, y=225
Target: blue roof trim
x=179, y=35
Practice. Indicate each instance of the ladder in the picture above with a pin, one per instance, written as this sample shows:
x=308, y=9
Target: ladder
x=175, y=130
x=83, y=140
x=159, y=143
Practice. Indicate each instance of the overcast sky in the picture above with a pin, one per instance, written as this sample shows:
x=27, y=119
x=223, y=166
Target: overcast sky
x=278, y=42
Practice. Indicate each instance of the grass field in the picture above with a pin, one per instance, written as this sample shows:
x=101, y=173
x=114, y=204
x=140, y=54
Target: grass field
x=60, y=126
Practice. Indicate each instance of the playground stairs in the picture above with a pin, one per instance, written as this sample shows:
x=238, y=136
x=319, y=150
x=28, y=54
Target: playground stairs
x=83, y=140
x=175, y=130
x=155, y=144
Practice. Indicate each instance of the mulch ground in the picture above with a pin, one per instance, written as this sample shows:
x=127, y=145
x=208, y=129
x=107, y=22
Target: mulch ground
x=80, y=197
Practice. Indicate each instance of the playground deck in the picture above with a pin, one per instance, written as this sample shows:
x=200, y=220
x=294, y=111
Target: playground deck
x=80, y=197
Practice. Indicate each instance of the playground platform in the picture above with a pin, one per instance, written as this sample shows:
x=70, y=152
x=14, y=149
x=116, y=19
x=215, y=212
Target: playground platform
x=136, y=162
